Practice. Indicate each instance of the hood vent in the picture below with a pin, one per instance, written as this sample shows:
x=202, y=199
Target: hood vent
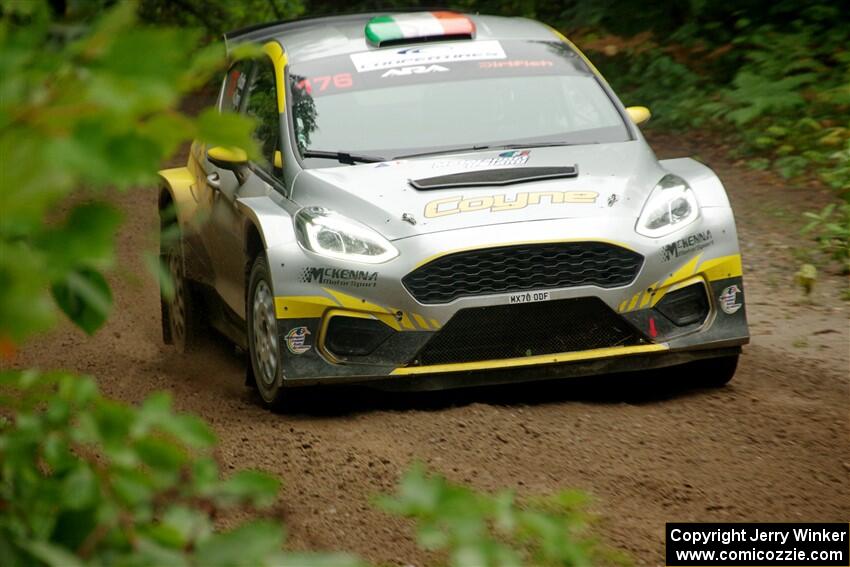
x=500, y=176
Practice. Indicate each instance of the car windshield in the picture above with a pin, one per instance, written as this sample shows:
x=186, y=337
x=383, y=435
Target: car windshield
x=427, y=98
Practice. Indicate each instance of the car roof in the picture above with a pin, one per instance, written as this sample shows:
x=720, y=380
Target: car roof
x=313, y=38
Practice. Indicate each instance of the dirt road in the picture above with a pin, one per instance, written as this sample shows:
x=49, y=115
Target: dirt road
x=772, y=446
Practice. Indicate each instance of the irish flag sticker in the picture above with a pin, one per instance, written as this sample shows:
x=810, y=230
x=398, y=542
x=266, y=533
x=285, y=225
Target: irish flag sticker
x=397, y=27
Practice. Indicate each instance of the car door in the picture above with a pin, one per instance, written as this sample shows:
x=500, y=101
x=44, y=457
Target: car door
x=224, y=231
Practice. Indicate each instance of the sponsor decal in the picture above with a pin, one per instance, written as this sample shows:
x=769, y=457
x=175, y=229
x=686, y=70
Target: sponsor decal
x=389, y=163
x=296, y=340
x=340, y=277
x=686, y=245
x=415, y=70
x=515, y=63
x=427, y=55
x=729, y=299
x=507, y=159
x=322, y=83
x=497, y=203
x=529, y=297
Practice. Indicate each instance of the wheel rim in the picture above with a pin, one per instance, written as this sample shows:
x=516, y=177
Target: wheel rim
x=265, y=333
x=177, y=302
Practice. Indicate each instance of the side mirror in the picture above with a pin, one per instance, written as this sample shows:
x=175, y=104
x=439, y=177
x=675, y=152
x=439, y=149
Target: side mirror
x=227, y=158
x=638, y=114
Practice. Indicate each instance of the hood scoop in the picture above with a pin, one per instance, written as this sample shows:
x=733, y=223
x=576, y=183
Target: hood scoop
x=500, y=176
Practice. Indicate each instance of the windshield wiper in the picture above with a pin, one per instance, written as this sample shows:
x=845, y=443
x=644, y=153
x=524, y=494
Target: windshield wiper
x=342, y=157
x=532, y=145
x=445, y=151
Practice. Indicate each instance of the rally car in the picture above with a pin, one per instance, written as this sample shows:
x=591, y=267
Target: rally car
x=445, y=200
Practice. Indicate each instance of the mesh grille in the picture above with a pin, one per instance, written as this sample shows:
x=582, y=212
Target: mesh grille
x=520, y=268
x=515, y=331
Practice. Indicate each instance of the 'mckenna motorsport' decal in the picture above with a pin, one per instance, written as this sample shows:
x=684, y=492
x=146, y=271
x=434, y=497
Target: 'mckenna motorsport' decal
x=686, y=245
x=496, y=203
x=340, y=277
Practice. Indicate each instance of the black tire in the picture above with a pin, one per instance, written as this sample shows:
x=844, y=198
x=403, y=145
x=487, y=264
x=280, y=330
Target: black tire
x=183, y=324
x=263, y=344
x=714, y=372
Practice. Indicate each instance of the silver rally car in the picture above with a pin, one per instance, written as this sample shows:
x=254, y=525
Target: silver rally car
x=445, y=200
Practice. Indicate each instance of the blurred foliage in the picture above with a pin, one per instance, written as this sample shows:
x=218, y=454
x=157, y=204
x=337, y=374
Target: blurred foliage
x=85, y=480
x=85, y=108
x=830, y=227
x=494, y=530
x=219, y=16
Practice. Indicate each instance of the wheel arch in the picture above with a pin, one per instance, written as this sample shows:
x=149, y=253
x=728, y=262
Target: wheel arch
x=707, y=185
x=254, y=245
x=175, y=187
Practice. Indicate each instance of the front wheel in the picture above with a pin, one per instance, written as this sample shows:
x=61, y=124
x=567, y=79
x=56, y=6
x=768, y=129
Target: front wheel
x=714, y=372
x=263, y=346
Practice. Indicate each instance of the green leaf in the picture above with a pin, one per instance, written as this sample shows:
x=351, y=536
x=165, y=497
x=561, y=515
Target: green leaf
x=52, y=555
x=249, y=544
x=228, y=129
x=80, y=488
x=160, y=454
x=189, y=429
x=85, y=239
x=132, y=486
x=84, y=296
x=187, y=523
x=260, y=489
x=290, y=559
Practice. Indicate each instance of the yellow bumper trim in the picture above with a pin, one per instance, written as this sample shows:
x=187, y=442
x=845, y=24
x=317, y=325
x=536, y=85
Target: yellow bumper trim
x=609, y=352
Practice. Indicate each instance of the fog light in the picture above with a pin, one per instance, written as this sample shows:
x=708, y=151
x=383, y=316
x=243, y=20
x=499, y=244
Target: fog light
x=355, y=336
x=685, y=306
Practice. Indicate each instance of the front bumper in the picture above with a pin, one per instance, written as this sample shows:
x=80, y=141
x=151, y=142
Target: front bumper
x=320, y=290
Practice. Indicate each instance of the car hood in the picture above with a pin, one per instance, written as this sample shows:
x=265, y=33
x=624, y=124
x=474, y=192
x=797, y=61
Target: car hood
x=613, y=180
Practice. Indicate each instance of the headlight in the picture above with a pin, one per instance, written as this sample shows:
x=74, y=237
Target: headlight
x=335, y=236
x=671, y=206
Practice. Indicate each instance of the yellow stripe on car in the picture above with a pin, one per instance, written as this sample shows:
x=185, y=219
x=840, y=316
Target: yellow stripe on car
x=356, y=303
x=302, y=306
x=708, y=270
x=315, y=306
x=610, y=352
x=420, y=320
x=275, y=52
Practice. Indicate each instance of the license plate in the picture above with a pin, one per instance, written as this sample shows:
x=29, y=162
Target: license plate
x=529, y=297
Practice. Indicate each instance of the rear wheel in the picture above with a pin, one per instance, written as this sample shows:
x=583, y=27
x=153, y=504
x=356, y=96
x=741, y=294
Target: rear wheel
x=714, y=372
x=263, y=344
x=182, y=321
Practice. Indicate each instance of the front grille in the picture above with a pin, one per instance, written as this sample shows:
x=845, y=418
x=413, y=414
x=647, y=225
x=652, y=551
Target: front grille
x=514, y=331
x=521, y=268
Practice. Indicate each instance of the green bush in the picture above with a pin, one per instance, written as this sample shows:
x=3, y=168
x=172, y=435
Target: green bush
x=830, y=229
x=495, y=530
x=85, y=480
